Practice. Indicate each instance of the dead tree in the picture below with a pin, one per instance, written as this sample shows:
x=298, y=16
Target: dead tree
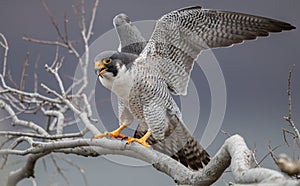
x=55, y=105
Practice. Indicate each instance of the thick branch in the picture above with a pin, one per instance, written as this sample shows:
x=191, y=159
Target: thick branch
x=24, y=172
x=234, y=152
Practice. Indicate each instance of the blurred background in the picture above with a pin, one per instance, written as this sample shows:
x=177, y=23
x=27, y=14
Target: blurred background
x=255, y=75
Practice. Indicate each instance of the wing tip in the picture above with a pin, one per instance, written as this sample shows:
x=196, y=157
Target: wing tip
x=282, y=26
x=288, y=27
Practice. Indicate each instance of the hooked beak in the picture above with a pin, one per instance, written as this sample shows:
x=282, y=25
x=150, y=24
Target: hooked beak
x=100, y=68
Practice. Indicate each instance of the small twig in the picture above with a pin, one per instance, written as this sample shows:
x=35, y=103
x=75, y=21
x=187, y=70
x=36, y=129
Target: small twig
x=225, y=133
x=82, y=16
x=6, y=141
x=265, y=156
x=288, y=118
x=15, y=103
x=55, y=58
x=87, y=105
x=59, y=170
x=35, y=75
x=22, y=80
x=59, y=64
x=68, y=123
x=11, y=80
x=74, y=84
x=90, y=33
x=4, y=157
x=271, y=153
x=4, y=44
x=70, y=162
x=12, y=164
x=57, y=77
x=44, y=164
x=254, y=156
x=49, y=90
x=10, y=117
x=39, y=41
x=66, y=27
x=284, y=131
x=289, y=91
x=54, y=22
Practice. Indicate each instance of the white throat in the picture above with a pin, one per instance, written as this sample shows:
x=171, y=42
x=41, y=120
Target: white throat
x=120, y=84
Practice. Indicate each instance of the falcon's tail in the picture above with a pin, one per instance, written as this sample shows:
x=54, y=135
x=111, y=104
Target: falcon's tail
x=178, y=143
x=192, y=154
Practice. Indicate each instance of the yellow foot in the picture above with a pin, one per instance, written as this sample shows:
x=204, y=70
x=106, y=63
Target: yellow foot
x=141, y=141
x=114, y=134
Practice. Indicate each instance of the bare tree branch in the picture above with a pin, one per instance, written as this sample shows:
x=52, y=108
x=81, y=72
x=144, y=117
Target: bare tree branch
x=234, y=152
x=16, y=121
x=39, y=41
x=58, y=79
x=59, y=170
x=54, y=22
x=34, y=96
x=288, y=118
x=73, y=164
x=94, y=11
x=24, y=172
x=22, y=81
x=50, y=137
x=4, y=44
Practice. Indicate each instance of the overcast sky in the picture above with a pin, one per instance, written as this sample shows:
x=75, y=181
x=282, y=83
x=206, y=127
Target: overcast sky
x=255, y=74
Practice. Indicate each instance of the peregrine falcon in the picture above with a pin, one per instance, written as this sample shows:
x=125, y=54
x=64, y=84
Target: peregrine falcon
x=144, y=76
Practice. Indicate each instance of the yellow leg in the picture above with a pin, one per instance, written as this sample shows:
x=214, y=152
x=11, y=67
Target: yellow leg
x=142, y=140
x=114, y=134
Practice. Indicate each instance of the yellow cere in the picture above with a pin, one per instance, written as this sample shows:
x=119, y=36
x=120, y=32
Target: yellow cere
x=99, y=65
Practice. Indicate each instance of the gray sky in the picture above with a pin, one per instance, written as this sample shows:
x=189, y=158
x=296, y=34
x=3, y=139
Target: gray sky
x=255, y=74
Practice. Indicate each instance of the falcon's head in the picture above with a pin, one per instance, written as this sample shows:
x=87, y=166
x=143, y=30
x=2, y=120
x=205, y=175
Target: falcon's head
x=111, y=64
x=107, y=64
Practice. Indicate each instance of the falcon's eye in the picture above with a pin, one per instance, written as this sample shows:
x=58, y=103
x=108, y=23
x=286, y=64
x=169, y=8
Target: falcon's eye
x=107, y=61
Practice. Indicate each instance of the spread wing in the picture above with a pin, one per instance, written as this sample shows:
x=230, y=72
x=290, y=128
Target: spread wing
x=131, y=39
x=181, y=35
